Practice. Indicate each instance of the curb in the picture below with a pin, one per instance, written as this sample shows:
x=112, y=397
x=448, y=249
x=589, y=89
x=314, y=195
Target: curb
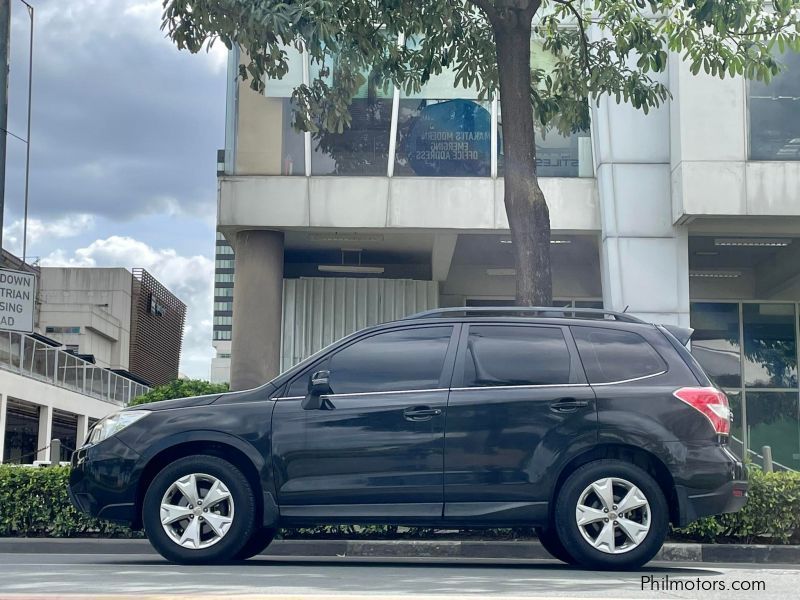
x=526, y=550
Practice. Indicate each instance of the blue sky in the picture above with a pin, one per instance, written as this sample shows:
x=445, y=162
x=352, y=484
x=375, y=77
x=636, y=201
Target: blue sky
x=123, y=155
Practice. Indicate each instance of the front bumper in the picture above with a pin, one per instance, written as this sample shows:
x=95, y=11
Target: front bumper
x=101, y=482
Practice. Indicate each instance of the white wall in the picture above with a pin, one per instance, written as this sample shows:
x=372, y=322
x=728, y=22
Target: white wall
x=50, y=397
x=97, y=300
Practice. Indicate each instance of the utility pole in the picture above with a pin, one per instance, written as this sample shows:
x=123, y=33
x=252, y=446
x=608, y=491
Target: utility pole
x=5, y=36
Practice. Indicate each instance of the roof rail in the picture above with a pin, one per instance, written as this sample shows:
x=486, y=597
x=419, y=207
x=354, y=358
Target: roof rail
x=533, y=311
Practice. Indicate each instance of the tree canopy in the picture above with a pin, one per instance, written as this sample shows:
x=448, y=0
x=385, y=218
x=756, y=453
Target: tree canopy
x=180, y=388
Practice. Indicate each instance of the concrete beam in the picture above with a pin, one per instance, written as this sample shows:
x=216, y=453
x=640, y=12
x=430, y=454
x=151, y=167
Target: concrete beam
x=444, y=245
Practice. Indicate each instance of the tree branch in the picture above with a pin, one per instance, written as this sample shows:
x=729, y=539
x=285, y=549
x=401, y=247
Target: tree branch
x=582, y=29
x=487, y=7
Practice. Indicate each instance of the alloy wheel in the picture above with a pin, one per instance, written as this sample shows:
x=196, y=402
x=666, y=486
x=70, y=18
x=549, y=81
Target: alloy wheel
x=197, y=511
x=613, y=515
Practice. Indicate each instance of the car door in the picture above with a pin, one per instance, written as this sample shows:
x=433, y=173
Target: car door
x=519, y=401
x=376, y=447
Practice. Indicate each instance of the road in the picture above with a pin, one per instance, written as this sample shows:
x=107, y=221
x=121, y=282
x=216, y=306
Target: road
x=146, y=575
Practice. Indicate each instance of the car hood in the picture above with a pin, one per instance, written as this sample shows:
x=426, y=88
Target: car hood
x=228, y=397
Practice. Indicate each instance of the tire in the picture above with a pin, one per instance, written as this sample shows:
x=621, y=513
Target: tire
x=258, y=542
x=194, y=536
x=549, y=540
x=605, y=542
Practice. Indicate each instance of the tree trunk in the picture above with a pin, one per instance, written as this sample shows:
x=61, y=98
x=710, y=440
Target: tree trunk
x=528, y=215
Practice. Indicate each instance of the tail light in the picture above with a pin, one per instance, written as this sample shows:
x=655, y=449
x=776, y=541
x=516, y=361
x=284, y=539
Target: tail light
x=710, y=401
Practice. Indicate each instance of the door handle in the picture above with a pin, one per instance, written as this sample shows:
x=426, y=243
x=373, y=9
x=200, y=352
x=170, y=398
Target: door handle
x=421, y=413
x=568, y=405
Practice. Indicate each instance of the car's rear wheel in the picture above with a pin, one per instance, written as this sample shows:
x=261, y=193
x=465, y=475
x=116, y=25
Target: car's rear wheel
x=611, y=515
x=550, y=541
x=258, y=542
x=199, y=509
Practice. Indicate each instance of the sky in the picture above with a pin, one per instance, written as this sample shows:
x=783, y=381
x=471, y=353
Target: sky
x=125, y=129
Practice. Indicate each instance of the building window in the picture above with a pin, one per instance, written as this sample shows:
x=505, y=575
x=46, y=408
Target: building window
x=775, y=113
x=750, y=350
x=223, y=320
x=223, y=306
x=224, y=263
x=224, y=292
x=224, y=277
x=222, y=335
x=57, y=329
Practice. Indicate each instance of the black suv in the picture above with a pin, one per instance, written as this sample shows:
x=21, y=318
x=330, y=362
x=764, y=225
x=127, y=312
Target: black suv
x=594, y=427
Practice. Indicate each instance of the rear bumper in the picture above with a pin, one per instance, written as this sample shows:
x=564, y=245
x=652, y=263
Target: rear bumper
x=728, y=498
x=729, y=495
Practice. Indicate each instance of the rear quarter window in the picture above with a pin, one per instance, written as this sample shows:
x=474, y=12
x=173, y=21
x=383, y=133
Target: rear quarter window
x=610, y=355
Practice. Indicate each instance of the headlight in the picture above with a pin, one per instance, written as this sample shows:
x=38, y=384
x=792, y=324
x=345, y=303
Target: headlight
x=114, y=424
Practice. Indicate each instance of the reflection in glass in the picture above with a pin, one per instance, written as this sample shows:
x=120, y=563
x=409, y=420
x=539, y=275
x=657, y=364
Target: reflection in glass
x=770, y=347
x=775, y=113
x=443, y=138
x=715, y=342
x=773, y=420
x=362, y=148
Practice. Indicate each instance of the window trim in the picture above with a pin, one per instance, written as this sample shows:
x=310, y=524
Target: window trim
x=576, y=373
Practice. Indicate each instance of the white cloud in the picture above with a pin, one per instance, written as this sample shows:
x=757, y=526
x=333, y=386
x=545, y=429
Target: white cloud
x=64, y=227
x=190, y=278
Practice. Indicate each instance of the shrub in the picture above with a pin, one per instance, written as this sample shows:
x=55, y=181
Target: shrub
x=771, y=515
x=180, y=388
x=34, y=502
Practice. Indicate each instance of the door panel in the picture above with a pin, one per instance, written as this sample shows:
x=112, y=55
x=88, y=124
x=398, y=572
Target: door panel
x=521, y=403
x=377, y=446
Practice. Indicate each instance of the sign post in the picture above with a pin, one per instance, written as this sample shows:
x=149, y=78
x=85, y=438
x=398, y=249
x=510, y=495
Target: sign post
x=17, y=300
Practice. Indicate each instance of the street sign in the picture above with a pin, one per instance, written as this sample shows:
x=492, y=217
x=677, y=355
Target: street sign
x=17, y=298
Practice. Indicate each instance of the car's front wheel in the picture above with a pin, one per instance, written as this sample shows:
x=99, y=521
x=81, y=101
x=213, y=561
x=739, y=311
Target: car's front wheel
x=199, y=509
x=611, y=515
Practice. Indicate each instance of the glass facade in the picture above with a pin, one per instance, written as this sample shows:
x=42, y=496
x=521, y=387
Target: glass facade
x=775, y=113
x=289, y=158
x=750, y=350
x=441, y=131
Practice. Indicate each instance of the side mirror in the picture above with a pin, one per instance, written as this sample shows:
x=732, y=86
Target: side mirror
x=318, y=386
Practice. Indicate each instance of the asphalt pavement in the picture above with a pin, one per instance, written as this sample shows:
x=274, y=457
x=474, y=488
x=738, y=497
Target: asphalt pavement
x=149, y=576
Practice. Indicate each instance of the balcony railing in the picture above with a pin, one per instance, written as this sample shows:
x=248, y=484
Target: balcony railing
x=22, y=354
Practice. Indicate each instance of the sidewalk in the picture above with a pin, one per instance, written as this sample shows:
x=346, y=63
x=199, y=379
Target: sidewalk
x=708, y=553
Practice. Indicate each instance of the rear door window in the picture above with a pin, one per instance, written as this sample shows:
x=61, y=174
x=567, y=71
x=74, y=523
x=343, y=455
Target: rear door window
x=610, y=355
x=501, y=355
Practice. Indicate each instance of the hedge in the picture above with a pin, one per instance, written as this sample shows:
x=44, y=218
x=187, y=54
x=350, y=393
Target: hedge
x=34, y=502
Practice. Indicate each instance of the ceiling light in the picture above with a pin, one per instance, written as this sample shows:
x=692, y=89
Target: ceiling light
x=753, y=242
x=551, y=241
x=716, y=274
x=349, y=269
x=706, y=253
x=501, y=272
x=335, y=236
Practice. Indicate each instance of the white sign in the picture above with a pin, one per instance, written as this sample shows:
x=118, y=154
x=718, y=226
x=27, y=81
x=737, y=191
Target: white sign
x=17, y=297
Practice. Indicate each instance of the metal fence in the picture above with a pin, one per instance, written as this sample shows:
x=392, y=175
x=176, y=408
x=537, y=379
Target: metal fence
x=22, y=354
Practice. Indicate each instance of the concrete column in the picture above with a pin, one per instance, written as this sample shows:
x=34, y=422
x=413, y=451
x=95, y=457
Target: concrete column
x=45, y=431
x=257, y=308
x=83, y=430
x=3, y=405
x=643, y=255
